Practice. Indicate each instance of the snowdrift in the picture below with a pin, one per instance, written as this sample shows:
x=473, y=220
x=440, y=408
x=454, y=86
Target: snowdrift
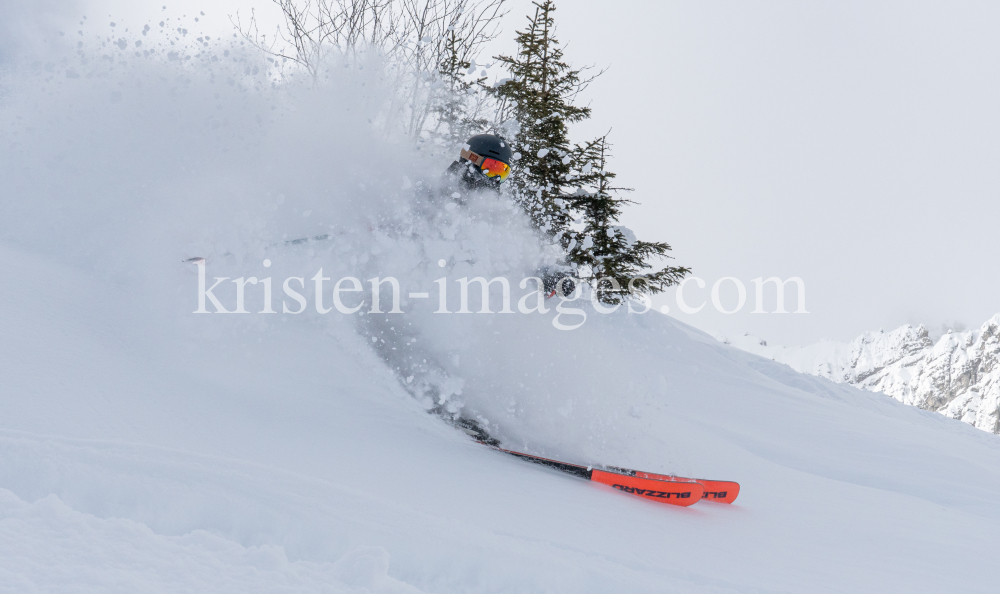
x=145, y=447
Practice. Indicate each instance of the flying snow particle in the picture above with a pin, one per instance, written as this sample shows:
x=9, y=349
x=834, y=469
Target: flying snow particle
x=665, y=309
x=542, y=153
x=516, y=157
x=442, y=263
x=267, y=263
x=566, y=160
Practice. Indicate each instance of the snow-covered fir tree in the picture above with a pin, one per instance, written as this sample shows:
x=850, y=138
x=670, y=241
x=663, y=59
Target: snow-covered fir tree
x=563, y=186
x=607, y=255
x=539, y=96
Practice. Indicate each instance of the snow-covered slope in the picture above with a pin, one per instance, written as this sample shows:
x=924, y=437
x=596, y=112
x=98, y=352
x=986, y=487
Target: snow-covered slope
x=147, y=448
x=958, y=376
x=140, y=453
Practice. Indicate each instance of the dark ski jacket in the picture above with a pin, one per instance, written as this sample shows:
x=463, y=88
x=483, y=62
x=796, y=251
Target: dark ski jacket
x=462, y=176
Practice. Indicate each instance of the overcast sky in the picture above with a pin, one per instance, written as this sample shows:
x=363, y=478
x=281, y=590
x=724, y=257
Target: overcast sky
x=852, y=144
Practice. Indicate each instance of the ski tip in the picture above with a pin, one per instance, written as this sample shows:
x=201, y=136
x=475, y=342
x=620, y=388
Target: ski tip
x=718, y=491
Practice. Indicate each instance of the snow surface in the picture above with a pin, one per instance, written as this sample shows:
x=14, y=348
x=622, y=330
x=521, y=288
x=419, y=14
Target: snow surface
x=146, y=448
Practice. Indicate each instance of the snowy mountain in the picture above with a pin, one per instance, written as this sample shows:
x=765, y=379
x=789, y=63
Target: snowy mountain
x=957, y=376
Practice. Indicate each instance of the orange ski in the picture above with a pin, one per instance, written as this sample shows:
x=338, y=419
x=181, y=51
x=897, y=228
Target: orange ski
x=683, y=492
x=664, y=488
x=721, y=491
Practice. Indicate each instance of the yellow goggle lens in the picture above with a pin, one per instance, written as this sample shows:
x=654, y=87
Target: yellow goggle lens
x=494, y=168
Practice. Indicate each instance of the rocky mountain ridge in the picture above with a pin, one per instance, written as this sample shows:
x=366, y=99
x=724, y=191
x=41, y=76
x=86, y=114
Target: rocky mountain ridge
x=957, y=375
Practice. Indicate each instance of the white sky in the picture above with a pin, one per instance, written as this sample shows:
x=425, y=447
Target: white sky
x=853, y=144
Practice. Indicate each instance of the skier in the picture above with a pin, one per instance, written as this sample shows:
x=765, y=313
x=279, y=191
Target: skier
x=483, y=164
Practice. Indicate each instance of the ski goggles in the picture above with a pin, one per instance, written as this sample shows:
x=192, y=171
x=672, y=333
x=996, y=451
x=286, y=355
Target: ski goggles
x=489, y=167
x=494, y=168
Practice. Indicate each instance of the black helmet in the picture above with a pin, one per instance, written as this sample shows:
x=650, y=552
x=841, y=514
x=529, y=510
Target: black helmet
x=490, y=146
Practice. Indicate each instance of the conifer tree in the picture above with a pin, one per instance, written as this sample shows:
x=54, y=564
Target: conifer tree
x=608, y=256
x=539, y=95
x=562, y=186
